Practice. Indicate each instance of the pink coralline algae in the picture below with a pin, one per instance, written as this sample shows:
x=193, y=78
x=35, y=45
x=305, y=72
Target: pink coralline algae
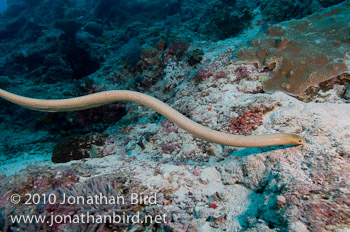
x=303, y=52
x=214, y=69
x=246, y=123
x=175, y=51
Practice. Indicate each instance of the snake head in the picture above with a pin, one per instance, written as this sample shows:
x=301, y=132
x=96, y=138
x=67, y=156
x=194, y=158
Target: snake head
x=297, y=139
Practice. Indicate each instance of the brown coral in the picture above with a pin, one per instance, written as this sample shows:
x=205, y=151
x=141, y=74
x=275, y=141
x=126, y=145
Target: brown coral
x=306, y=52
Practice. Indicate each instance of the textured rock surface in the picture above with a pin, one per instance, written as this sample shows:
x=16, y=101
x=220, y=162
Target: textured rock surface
x=76, y=148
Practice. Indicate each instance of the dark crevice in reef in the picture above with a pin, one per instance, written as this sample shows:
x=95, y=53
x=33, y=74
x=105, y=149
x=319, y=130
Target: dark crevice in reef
x=80, y=61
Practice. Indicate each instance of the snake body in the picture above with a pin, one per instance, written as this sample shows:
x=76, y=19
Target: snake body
x=197, y=130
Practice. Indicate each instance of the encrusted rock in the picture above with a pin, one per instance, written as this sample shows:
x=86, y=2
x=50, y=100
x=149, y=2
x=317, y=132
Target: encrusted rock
x=75, y=148
x=94, y=29
x=195, y=56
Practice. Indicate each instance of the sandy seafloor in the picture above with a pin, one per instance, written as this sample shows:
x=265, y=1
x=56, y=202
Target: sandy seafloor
x=307, y=187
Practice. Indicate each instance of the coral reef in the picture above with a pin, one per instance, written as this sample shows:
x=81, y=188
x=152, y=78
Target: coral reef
x=180, y=51
x=302, y=53
x=278, y=11
x=221, y=21
x=68, y=196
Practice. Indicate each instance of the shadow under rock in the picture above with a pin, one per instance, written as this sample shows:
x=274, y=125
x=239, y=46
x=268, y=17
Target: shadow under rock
x=256, y=150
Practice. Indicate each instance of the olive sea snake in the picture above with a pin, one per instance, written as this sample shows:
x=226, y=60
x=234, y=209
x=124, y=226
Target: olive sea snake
x=197, y=130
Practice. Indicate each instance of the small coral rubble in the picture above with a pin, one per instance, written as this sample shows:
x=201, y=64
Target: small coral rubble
x=303, y=52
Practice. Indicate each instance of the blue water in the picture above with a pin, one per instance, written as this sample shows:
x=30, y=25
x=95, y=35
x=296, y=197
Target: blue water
x=3, y=5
